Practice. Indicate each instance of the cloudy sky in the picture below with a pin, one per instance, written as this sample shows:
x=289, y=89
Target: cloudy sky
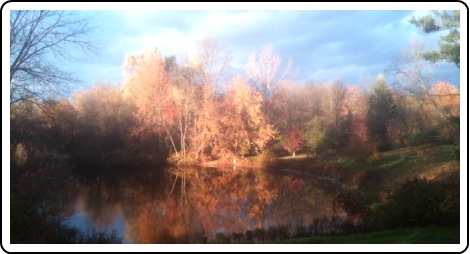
x=354, y=46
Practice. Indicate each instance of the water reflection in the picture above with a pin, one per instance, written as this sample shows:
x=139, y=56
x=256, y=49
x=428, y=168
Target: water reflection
x=181, y=205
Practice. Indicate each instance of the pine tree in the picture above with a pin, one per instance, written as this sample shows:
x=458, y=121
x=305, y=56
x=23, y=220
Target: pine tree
x=382, y=109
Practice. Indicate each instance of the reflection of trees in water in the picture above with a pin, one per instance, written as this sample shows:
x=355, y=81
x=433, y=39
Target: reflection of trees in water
x=164, y=221
x=104, y=196
x=102, y=212
x=100, y=198
x=50, y=187
x=164, y=216
x=151, y=215
x=177, y=205
x=301, y=200
x=237, y=201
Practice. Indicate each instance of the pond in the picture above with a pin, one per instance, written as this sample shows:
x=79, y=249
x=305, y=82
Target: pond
x=191, y=205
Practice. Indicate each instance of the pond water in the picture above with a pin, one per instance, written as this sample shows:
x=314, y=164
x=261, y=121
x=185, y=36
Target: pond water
x=188, y=205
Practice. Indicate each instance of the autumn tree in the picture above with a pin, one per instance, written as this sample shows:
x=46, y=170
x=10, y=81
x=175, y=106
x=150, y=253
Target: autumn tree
x=381, y=110
x=291, y=105
x=266, y=71
x=37, y=38
x=449, y=44
x=243, y=128
x=104, y=120
x=205, y=122
x=293, y=141
x=149, y=86
x=206, y=70
x=447, y=97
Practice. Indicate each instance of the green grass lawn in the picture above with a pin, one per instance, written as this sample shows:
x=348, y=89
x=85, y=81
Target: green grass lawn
x=428, y=235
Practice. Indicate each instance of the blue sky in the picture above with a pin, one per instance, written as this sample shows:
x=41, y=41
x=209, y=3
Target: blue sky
x=350, y=45
x=354, y=46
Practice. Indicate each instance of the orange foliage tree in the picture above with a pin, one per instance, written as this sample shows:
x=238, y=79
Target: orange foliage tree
x=155, y=98
x=447, y=97
x=242, y=125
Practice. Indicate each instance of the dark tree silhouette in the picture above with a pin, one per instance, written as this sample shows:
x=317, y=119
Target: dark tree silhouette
x=36, y=38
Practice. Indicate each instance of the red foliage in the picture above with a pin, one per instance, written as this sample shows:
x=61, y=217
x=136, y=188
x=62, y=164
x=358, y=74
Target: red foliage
x=294, y=141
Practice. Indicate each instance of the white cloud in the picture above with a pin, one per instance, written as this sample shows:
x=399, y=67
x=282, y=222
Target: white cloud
x=326, y=42
x=233, y=22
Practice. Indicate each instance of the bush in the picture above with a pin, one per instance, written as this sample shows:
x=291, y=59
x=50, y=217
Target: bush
x=201, y=239
x=420, y=202
x=222, y=238
x=278, y=149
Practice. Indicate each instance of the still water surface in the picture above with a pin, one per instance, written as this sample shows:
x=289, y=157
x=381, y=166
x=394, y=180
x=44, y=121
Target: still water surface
x=178, y=205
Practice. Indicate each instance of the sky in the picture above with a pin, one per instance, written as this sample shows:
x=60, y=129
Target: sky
x=323, y=45
x=353, y=46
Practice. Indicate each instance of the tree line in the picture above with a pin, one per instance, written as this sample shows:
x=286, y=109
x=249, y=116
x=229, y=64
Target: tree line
x=176, y=110
x=190, y=110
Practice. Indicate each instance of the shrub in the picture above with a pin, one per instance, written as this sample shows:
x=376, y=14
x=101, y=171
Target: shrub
x=222, y=238
x=419, y=202
x=278, y=149
x=198, y=238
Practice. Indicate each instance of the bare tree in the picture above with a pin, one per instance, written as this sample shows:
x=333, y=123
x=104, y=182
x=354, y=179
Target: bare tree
x=414, y=75
x=36, y=38
x=266, y=72
x=213, y=61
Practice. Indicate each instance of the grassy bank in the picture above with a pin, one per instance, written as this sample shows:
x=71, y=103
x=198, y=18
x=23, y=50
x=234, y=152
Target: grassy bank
x=370, y=181
x=427, y=235
x=385, y=170
x=393, y=167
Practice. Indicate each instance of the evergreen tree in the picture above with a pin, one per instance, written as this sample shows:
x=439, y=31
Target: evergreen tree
x=449, y=44
x=382, y=109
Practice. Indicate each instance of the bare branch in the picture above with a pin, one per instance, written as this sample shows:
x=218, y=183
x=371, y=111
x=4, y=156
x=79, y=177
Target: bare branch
x=410, y=73
x=35, y=38
x=213, y=61
x=265, y=73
